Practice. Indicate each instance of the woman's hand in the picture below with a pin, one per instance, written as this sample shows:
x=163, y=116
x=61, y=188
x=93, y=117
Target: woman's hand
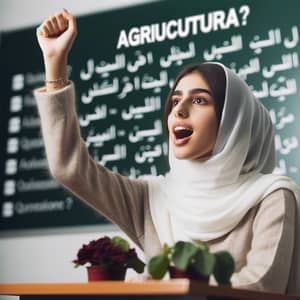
x=56, y=36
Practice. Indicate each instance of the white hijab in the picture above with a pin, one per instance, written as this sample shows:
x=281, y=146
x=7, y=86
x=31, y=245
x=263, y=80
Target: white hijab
x=203, y=200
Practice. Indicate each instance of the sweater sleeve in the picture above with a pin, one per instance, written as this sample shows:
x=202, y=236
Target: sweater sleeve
x=118, y=198
x=270, y=257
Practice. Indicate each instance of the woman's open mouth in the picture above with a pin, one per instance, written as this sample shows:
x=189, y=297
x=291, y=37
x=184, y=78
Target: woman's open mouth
x=182, y=135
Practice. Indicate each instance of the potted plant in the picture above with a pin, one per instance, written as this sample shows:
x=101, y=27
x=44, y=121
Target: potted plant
x=108, y=259
x=194, y=261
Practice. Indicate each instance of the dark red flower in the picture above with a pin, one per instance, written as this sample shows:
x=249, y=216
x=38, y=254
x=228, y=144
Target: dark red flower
x=103, y=252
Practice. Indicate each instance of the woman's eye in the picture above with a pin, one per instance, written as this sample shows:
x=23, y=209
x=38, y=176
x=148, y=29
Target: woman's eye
x=199, y=100
x=174, y=102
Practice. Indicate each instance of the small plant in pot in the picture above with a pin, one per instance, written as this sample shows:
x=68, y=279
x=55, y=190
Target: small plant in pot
x=108, y=259
x=188, y=260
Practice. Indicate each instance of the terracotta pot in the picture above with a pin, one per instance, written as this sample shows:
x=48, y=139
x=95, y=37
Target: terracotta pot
x=189, y=273
x=98, y=273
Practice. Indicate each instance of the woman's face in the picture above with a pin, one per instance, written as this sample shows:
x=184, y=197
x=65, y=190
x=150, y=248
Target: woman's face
x=192, y=122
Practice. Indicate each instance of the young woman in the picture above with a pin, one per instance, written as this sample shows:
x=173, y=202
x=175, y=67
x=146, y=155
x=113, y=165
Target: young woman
x=219, y=188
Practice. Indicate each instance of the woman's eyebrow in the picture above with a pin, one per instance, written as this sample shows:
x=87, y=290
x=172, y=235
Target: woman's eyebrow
x=192, y=91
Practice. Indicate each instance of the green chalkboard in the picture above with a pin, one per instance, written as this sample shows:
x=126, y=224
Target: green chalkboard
x=123, y=63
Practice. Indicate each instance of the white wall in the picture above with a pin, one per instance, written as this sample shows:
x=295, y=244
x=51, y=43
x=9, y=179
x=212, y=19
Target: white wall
x=46, y=255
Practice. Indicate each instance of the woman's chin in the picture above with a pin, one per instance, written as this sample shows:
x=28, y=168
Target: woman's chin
x=180, y=154
x=186, y=155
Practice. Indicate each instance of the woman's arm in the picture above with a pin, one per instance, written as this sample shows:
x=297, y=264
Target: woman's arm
x=116, y=197
x=56, y=36
x=270, y=258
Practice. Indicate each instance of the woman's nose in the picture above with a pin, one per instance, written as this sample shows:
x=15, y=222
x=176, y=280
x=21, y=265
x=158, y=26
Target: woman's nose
x=181, y=112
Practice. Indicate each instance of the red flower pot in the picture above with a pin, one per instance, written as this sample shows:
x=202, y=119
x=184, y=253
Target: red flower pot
x=189, y=273
x=98, y=273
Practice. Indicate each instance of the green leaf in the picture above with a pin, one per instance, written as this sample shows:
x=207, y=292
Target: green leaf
x=183, y=252
x=121, y=243
x=76, y=266
x=166, y=250
x=158, y=266
x=204, y=262
x=136, y=264
x=224, y=267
